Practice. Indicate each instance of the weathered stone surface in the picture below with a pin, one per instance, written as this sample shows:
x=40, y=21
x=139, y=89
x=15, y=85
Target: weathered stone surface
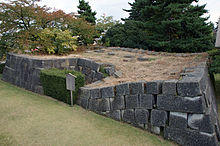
x=107, y=92
x=169, y=87
x=181, y=104
x=84, y=102
x=147, y=101
x=118, y=103
x=154, y=87
x=122, y=89
x=94, y=66
x=143, y=59
x=141, y=116
x=190, y=138
x=158, y=118
x=95, y=93
x=111, y=53
x=155, y=130
x=94, y=105
x=189, y=87
x=129, y=56
x=131, y=101
x=98, y=76
x=201, y=122
x=84, y=92
x=178, y=120
x=110, y=70
x=116, y=115
x=118, y=74
x=128, y=116
x=104, y=105
x=136, y=88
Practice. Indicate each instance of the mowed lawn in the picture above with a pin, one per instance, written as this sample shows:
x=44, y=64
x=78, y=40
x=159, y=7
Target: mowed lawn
x=27, y=118
x=217, y=81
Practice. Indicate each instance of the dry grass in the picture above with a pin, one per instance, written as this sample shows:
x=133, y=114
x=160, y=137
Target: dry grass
x=159, y=67
x=30, y=119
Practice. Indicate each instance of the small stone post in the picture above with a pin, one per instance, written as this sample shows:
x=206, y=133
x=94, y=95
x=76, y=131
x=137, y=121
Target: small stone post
x=217, y=43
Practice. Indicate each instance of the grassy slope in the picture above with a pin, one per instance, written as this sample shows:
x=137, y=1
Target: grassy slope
x=30, y=119
x=217, y=79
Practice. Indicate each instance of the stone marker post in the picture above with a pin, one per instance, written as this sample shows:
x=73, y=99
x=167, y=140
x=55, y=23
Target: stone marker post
x=70, y=85
x=217, y=43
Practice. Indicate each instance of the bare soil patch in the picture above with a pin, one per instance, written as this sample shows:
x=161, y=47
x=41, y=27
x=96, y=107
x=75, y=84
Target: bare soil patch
x=156, y=67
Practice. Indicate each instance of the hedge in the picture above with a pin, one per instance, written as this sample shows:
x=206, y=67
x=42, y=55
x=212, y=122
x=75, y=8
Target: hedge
x=54, y=84
x=2, y=65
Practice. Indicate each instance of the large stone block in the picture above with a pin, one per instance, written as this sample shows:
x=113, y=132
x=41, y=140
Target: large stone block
x=147, y=101
x=81, y=62
x=141, y=116
x=178, y=120
x=128, y=116
x=122, y=89
x=84, y=102
x=131, y=101
x=158, y=118
x=98, y=76
x=84, y=93
x=189, y=87
x=118, y=103
x=115, y=114
x=201, y=122
x=104, y=105
x=154, y=87
x=94, y=66
x=169, y=87
x=95, y=93
x=190, y=138
x=94, y=105
x=73, y=61
x=181, y=104
x=136, y=88
x=107, y=92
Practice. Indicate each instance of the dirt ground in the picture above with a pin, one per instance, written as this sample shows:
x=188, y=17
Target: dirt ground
x=157, y=67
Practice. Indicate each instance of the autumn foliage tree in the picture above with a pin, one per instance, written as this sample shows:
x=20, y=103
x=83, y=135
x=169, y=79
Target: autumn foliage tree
x=24, y=22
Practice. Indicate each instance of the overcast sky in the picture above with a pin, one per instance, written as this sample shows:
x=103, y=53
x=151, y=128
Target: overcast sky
x=114, y=7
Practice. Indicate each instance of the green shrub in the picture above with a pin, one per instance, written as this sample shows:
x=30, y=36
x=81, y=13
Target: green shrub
x=2, y=67
x=214, y=61
x=54, y=84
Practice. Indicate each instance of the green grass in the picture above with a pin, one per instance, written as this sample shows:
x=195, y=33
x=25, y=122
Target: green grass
x=217, y=85
x=27, y=118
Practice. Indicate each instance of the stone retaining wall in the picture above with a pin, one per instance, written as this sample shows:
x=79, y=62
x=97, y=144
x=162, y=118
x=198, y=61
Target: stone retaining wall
x=24, y=71
x=184, y=111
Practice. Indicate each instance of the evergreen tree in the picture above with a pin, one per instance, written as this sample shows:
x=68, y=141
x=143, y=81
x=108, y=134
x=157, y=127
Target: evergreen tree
x=85, y=12
x=170, y=25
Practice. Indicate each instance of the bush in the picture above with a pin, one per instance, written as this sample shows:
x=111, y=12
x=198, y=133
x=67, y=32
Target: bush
x=54, y=84
x=55, y=41
x=214, y=61
x=2, y=65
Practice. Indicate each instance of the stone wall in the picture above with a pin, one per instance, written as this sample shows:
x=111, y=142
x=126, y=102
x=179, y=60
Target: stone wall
x=184, y=111
x=24, y=71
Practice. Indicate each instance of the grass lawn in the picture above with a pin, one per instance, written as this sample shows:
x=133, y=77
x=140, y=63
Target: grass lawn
x=217, y=81
x=27, y=118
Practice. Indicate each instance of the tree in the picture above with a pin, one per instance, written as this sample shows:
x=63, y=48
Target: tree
x=24, y=25
x=21, y=20
x=84, y=30
x=174, y=26
x=105, y=22
x=85, y=12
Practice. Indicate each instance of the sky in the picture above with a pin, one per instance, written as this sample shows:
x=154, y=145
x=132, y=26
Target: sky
x=114, y=7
